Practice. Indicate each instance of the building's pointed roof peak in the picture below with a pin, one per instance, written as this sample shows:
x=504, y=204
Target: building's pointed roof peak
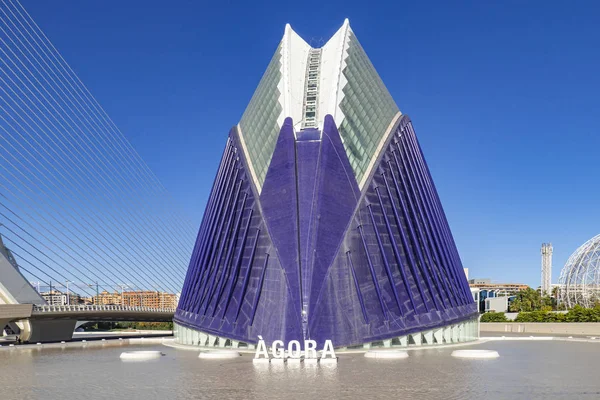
x=289, y=31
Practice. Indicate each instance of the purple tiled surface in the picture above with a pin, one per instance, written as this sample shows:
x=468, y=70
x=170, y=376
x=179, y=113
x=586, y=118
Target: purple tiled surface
x=308, y=152
x=240, y=312
x=430, y=292
x=335, y=202
x=279, y=203
x=365, y=266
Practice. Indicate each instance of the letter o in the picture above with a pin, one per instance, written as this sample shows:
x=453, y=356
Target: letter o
x=294, y=349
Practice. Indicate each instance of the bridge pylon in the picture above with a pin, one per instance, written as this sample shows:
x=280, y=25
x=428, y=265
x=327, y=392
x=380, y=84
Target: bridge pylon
x=17, y=298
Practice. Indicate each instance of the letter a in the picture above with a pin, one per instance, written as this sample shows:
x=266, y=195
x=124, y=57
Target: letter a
x=261, y=349
x=328, y=350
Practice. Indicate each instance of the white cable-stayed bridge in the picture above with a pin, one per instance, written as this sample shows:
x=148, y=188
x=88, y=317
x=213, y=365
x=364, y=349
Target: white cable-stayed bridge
x=81, y=213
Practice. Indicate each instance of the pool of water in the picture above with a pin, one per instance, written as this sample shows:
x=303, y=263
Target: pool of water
x=525, y=370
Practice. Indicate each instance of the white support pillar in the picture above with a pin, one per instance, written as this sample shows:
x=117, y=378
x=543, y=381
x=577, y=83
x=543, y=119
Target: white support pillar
x=222, y=341
x=448, y=334
x=428, y=336
x=455, y=336
x=438, y=336
x=203, y=338
x=235, y=344
x=416, y=337
x=403, y=341
x=367, y=345
x=176, y=333
x=387, y=343
x=471, y=330
x=211, y=340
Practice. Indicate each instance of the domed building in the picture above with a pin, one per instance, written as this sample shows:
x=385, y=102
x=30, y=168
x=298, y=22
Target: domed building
x=580, y=277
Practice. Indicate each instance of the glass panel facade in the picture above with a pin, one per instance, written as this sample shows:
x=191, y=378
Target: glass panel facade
x=368, y=108
x=259, y=122
x=465, y=331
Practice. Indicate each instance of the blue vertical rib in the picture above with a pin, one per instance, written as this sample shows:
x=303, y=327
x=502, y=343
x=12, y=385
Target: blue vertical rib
x=237, y=263
x=357, y=286
x=211, y=239
x=209, y=257
x=229, y=257
x=226, y=265
x=434, y=228
x=416, y=194
x=445, y=225
x=385, y=261
x=203, y=235
x=416, y=246
x=375, y=282
x=451, y=262
x=423, y=268
x=426, y=218
x=259, y=288
x=201, y=265
x=210, y=266
x=225, y=159
x=395, y=248
x=247, y=276
x=224, y=243
x=435, y=269
x=407, y=218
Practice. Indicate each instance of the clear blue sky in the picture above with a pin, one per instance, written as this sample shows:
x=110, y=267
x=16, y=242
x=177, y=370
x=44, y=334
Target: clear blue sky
x=504, y=97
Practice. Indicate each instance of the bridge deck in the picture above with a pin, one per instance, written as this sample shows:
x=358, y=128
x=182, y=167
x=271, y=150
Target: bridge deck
x=102, y=313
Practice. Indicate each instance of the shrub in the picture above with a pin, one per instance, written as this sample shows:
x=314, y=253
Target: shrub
x=580, y=314
x=576, y=314
x=494, y=317
x=540, y=316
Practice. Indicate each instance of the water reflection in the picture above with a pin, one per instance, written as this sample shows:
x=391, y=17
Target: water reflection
x=532, y=370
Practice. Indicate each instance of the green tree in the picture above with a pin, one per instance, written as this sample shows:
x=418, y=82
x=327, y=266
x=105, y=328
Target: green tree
x=548, y=303
x=526, y=300
x=555, y=292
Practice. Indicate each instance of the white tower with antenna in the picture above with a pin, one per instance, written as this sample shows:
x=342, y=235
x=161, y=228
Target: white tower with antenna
x=546, y=287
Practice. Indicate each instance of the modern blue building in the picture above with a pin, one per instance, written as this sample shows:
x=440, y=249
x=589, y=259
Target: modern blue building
x=323, y=221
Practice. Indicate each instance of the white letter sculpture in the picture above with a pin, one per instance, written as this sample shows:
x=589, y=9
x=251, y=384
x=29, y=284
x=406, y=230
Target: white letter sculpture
x=328, y=352
x=310, y=349
x=294, y=349
x=261, y=351
x=277, y=349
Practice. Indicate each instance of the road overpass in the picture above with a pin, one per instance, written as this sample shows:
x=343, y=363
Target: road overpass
x=48, y=323
x=101, y=313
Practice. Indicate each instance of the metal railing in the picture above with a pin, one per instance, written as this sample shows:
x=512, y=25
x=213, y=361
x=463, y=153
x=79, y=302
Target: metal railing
x=87, y=308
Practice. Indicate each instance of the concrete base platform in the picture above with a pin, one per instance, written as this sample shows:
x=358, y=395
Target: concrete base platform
x=49, y=331
x=544, y=328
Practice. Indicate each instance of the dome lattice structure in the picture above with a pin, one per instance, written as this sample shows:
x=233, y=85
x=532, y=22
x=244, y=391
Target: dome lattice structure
x=580, y=277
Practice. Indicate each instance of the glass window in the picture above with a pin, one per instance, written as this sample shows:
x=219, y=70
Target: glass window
x=259, y=122
x=368, y=108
